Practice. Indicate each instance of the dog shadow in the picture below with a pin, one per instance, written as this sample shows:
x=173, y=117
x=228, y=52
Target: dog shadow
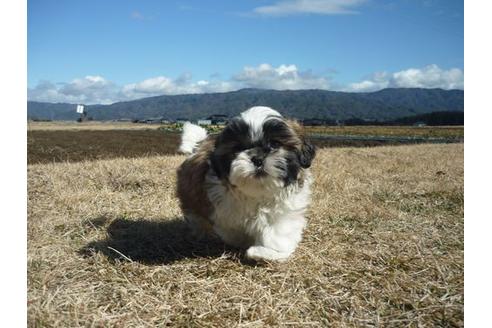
x=153, y=242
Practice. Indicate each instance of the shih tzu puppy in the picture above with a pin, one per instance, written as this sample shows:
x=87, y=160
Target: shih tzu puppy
x=250, y=184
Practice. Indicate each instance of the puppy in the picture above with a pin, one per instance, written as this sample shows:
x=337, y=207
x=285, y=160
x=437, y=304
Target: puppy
x=250, y=184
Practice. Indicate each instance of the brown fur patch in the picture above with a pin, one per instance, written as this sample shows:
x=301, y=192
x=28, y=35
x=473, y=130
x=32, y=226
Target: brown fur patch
x=297, y=134
x=191, y=187
x=296, y=127
x=304, y=146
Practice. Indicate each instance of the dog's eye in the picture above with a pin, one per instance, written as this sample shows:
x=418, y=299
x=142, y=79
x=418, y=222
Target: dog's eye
x=275, y=144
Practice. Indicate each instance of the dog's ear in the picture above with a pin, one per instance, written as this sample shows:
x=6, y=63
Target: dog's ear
x=306, y=154
x=218, y=165
x=307, y=151
x=217, y=159
x=236, y=131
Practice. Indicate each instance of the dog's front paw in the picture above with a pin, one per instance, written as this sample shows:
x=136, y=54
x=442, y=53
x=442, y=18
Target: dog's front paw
x=261, y=253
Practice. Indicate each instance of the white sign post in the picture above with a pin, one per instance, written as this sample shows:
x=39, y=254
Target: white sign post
x=80, y=110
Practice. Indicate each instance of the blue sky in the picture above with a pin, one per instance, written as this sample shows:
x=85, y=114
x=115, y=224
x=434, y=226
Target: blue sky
x=106, y=51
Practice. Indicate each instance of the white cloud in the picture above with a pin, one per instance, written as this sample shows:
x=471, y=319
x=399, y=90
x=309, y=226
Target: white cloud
x=44, y=91
x=377, y=81
x=89, y=90
x=284, y=77
x=162, y=85
x=431, y=76
x=320, y=7
x=97, y=90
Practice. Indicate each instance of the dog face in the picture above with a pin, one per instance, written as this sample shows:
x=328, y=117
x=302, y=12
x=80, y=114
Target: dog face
x=261, y=152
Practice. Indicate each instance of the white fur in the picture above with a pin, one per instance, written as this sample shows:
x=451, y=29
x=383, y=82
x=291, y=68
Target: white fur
x=270, y=225
x=255, y=117
x=243, y=171
x=192, y=135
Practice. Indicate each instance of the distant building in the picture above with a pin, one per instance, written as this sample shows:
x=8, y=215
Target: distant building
x=182, y=120
x=156, y=120
x=204, y=122
x=420, y=124
x=218, y=119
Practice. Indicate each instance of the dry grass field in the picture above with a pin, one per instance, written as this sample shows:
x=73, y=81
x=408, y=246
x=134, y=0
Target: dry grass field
x=107, y=247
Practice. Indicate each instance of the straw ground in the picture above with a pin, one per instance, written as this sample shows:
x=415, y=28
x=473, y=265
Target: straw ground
x=384, y=247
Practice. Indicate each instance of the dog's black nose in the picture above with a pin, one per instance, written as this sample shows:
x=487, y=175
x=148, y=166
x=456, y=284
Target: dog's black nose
x=257, y=161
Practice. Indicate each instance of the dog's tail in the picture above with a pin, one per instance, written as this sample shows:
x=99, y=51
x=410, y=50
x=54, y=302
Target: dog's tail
x=191, y=137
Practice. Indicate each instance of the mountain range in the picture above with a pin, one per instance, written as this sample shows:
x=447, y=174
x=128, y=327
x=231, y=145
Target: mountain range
x=386, y=104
